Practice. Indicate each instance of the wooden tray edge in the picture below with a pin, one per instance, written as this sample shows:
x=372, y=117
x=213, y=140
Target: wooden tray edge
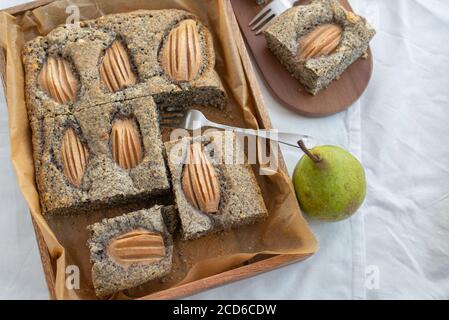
x=47, y=266
x=3, y=69
x=227, y=277
x=230, y=276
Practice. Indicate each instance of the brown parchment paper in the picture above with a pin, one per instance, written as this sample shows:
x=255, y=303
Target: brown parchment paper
x=284, y=232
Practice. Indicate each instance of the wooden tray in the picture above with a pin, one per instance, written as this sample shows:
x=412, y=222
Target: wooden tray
x=339, y=96
x=251, y=268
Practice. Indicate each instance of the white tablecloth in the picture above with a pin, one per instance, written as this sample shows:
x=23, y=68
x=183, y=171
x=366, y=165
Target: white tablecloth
x=397, y=246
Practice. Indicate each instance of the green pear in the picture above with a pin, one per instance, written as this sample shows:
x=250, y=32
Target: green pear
x=329, y=182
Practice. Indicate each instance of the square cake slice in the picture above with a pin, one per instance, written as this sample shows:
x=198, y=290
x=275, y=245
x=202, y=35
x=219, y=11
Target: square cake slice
x=318, y=42
x=129, y=250
x=99, y=157
x=211, y=192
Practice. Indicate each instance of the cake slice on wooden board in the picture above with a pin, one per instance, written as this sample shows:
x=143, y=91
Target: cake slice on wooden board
x=109, y=155
x=129, y=250
x=213, y=194
x=318, y=42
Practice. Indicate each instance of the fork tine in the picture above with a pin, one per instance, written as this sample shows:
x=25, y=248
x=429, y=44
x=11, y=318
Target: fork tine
x=171, y=119
x=170, y=124
x=262, y=23
x=171, y=115
x=264, y=26
x=262, y=12
x=173, y=109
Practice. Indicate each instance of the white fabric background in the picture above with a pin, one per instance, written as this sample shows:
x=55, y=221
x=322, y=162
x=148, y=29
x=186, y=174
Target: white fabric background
x=397, y=246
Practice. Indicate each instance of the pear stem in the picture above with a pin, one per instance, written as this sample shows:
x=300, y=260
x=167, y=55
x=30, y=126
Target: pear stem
x=303, y=147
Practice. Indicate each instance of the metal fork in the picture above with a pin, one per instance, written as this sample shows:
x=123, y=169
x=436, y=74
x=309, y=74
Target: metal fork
x=195, y=120
x=270, y=11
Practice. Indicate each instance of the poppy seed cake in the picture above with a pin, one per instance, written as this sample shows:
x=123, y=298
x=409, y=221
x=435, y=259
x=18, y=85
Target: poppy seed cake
x=285, y=33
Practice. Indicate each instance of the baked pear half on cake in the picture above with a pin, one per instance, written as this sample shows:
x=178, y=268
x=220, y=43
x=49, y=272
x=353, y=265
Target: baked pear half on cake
x=318, y=42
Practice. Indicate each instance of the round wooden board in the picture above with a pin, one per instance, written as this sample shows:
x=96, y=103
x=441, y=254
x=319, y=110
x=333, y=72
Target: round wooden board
x=339, y=96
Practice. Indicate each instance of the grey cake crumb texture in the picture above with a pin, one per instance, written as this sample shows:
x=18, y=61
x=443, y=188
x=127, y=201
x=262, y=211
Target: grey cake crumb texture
x=105, y=184
x=171, y=218
x=109, y=277
x=241, y=199
x=284, y=33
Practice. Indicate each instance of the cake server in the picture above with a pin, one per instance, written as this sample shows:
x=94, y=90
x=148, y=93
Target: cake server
x=195, y=120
